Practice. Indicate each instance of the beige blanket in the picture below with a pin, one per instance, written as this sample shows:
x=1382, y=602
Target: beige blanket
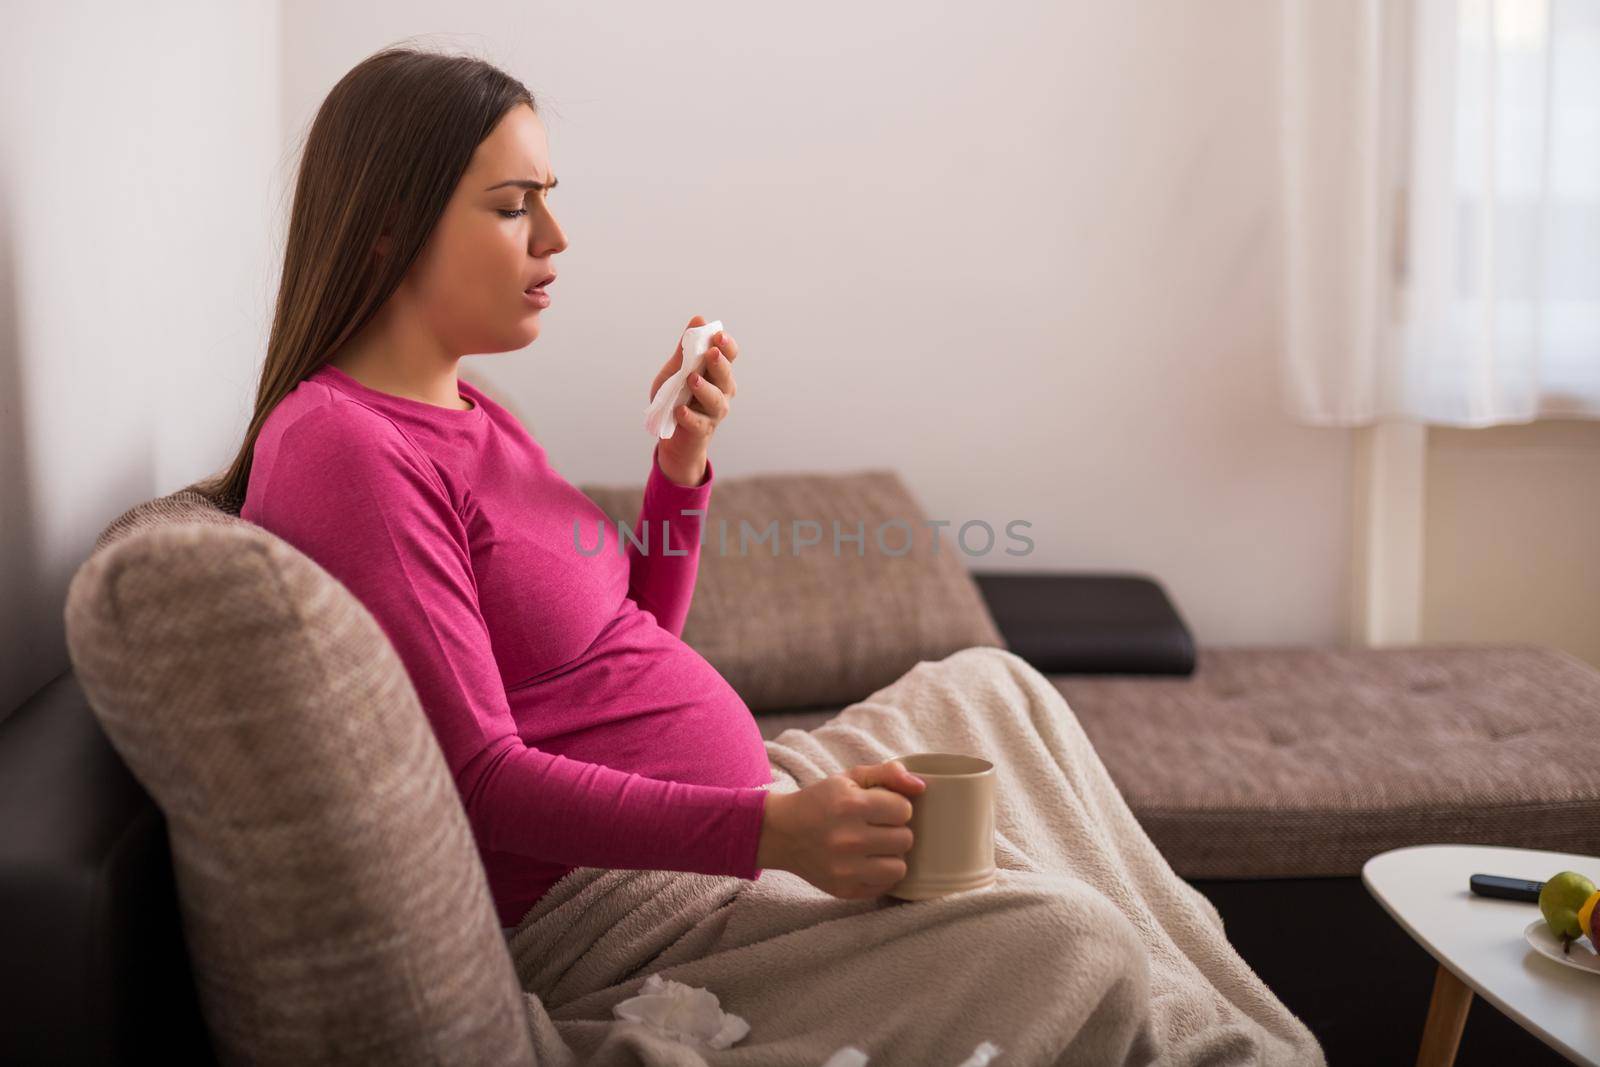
x=1089, y=949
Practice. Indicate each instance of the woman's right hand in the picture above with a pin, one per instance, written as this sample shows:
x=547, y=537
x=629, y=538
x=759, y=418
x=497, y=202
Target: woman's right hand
x=846, y=834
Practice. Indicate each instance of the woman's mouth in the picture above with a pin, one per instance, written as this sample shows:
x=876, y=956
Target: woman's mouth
x=537, y=297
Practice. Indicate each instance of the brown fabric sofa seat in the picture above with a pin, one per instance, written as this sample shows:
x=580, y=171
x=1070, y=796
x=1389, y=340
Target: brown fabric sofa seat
x=1297, y=762
x=1312, y=760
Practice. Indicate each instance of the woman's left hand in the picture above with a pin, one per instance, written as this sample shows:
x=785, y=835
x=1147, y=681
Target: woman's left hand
x=682, y=456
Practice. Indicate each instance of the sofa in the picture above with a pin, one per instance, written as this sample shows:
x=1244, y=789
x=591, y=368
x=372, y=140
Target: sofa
x=1266, y=775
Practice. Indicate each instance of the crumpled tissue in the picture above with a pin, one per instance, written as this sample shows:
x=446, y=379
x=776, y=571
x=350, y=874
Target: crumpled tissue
x=850, y=1056
x=694, y=1016
x=658, y=417
x=685, y=1013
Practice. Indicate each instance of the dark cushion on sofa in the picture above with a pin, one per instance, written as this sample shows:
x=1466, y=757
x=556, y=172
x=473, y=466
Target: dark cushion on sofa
x=1066, y=623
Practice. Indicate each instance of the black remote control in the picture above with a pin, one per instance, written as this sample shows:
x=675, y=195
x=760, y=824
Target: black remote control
x=1494, y=885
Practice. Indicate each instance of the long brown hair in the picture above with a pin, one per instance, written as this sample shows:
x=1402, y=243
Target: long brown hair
x=382, y=156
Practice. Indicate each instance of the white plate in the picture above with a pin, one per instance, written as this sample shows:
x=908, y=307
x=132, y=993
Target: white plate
x=1546, y=943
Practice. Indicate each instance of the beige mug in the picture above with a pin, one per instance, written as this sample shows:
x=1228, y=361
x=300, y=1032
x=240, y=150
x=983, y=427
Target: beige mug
x=952, y=826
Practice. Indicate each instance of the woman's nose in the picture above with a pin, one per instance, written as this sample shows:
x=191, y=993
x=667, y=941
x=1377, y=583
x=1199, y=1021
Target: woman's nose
x=551, y=240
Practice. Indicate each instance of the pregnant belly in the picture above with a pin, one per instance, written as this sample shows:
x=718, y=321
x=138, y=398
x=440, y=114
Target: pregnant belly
x=642, y=700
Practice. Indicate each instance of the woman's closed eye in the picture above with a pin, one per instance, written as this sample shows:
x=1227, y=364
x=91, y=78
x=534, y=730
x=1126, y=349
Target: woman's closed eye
x=508, y=213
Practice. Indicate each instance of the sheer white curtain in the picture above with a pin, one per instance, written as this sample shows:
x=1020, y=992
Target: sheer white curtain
x=1441, y=180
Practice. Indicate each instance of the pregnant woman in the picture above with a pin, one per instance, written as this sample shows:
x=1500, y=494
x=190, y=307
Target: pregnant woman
x=629, y=815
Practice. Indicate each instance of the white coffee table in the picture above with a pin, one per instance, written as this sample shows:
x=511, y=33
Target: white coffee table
x=1479, y=944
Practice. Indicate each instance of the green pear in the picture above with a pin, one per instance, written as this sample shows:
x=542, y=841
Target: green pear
x=1560, y=900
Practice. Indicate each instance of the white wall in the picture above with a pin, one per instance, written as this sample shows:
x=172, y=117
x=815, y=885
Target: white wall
x=1049, y=232
x=136, y=146
x=1513, y=518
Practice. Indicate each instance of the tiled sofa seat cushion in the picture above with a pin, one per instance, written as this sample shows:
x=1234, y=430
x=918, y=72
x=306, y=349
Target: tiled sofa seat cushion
x=813, y=627
x=334, y=904
x=1286, y=762
x=1308, y=761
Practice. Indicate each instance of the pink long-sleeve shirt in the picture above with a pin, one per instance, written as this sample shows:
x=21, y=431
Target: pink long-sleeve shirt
x=579, y=727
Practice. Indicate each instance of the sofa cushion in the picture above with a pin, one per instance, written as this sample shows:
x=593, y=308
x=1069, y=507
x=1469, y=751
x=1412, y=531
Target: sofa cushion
x=333, y=900
x=806, y=625
x=1276, y=762
x=1071, y=623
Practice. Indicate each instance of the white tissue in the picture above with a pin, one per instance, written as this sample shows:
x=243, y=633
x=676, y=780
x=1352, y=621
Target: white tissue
x=695, y=1017
x=658, y=417
x=986, y=1051
x=850, y=1056
x=685, y=1013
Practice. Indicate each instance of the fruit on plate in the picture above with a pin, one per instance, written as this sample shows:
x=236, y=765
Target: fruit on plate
x=1586, y=917
x=1562, y=899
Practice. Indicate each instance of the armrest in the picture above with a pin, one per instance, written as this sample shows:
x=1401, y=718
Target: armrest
x=1073, y=623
